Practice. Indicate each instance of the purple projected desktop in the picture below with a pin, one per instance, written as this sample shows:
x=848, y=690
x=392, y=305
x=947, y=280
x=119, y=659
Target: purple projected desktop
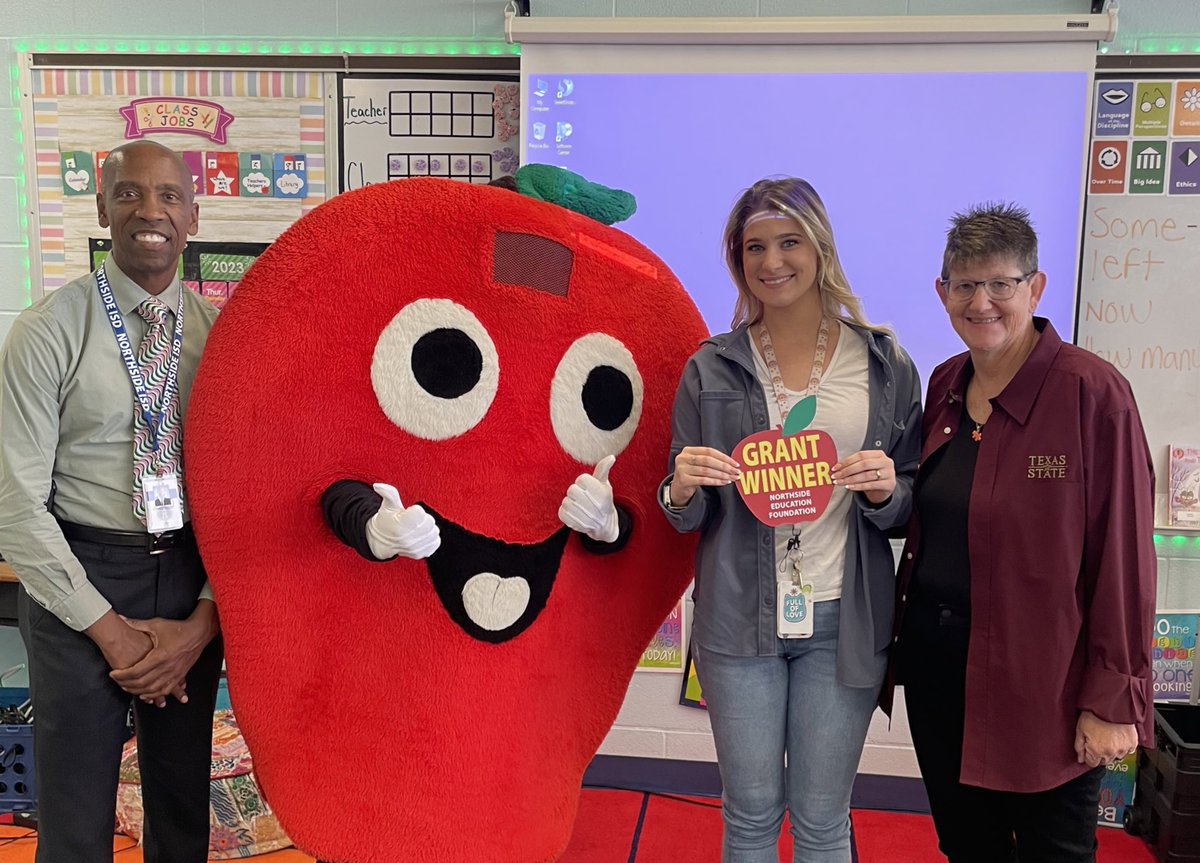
x=892, y=155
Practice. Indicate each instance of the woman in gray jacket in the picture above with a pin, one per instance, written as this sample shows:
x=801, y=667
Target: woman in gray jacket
x=775, y=685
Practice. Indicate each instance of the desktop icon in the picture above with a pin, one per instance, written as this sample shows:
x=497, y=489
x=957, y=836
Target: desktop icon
x=562, y=131
x=541, y=87
x=565, y=88
x=539, y=131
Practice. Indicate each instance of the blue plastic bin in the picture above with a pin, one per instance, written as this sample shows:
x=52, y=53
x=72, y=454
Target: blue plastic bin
x=17, y=793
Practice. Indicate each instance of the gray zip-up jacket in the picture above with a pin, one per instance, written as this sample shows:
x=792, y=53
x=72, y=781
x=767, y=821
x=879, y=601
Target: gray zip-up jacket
x=720, y=402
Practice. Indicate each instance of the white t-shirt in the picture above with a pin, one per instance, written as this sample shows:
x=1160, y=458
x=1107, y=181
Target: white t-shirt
x=842, y=404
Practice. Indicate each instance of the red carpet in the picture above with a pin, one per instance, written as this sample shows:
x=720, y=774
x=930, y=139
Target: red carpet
x=677, y=828
x=631, y=827
x=894, y=837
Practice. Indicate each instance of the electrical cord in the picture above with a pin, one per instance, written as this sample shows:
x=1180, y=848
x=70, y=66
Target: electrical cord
x=9, y=840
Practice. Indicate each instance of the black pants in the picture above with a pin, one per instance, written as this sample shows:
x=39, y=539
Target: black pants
x=976, y=825
x=81, y=718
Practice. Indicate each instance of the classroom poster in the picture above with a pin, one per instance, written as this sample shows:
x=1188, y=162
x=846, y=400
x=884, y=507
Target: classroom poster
x=1174, y=654
x=1116, y=791
x=665, y=650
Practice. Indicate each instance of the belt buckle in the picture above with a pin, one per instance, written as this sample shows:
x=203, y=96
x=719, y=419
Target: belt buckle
x=160, y=542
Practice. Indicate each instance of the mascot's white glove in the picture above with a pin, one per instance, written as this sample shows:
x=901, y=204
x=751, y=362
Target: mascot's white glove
x=395, y=530
x=588, y=506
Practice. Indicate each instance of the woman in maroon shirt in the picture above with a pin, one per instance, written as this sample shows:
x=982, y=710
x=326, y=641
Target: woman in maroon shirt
x=1027, y=581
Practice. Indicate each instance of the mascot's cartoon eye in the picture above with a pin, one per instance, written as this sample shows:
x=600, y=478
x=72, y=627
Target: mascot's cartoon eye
x=435, y=369
x=446, y=363
x=595, y=398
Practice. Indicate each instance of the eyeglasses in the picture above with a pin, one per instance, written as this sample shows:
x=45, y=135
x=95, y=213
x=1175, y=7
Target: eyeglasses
x=961, y=290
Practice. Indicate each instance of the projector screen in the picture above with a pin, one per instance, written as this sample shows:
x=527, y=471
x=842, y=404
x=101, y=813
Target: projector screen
x=894, y=138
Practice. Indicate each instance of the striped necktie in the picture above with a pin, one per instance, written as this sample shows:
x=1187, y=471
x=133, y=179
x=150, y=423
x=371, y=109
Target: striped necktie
x=154, y=355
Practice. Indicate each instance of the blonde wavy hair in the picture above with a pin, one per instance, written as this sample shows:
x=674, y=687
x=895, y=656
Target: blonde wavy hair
x=797, y=199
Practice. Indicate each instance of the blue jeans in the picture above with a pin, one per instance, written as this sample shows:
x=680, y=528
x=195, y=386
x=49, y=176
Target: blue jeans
x=762, y=707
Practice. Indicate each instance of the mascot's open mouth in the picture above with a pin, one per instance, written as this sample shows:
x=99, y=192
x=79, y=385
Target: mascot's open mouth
x=493, y=589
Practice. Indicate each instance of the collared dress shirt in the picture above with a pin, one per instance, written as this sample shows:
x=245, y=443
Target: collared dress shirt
x=66, y=415
x=1062, y=562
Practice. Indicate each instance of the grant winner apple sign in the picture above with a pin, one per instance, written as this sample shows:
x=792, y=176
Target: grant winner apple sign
x=787, y=472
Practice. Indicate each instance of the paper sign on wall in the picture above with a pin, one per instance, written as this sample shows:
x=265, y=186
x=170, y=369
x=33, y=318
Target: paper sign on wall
x=291, y=175
x=665, y=650
x=194, y=160
x=255, y=174
x=78, y=174
x=189, y=116
x=221, y=174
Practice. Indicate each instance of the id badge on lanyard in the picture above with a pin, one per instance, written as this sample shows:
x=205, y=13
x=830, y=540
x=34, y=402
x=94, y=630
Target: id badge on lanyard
x=794, y=617
x=164, y=503
x=161, y=491
x=793, y=598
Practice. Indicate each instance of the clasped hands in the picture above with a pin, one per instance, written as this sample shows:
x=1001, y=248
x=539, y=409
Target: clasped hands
x=151, y=658
x=400, y=531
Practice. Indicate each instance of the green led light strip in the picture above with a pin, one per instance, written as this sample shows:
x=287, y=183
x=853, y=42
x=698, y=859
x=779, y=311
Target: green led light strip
x=1177, y=539
x=259, y=46
x=14, y=73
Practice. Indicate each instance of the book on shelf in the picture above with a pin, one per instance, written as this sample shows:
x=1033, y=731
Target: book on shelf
x=1183, y=487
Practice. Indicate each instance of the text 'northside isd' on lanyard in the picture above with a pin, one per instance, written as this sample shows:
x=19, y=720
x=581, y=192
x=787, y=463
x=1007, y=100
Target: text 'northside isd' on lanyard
x=172, y=519
x=793, y=615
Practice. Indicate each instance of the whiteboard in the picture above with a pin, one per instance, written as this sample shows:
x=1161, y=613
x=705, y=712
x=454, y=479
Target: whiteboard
x=395, y=127
x=1140, y=268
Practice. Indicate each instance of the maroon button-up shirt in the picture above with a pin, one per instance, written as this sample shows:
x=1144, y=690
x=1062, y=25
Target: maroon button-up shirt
x=1060, y=540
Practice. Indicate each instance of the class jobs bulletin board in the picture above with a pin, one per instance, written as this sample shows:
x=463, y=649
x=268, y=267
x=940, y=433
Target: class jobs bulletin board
x=255, y=142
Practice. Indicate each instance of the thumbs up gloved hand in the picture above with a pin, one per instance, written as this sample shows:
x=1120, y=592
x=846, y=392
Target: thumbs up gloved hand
x=588, y=506
x=399, y=531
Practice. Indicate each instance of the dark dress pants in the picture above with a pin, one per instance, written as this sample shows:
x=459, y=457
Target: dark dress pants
x=81, y=718
x=977, y=825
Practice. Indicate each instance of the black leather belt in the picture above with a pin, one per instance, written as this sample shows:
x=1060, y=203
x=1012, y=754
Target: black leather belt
x=149, y=542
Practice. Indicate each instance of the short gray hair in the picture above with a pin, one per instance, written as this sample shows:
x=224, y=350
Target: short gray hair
x=985, y=232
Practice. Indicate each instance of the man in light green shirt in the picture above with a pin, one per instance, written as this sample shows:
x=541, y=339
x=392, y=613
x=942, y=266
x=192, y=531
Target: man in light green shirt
x=112, y=614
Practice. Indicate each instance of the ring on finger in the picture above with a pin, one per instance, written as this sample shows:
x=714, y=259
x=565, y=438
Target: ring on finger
x=878, y=475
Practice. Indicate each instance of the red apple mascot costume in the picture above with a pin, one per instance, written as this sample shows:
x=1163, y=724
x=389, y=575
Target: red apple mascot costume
x=423, y=448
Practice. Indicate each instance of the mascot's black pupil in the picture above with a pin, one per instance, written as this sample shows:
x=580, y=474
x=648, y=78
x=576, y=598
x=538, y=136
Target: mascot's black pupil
x=607, y=397
x=446, y=363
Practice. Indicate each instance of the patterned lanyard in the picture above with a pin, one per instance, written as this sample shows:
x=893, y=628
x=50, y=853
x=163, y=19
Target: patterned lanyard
x=136, y=376
x=772, y=363
x=795, y=553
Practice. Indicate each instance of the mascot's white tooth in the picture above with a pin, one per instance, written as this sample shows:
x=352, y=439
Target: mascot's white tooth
x=495, y=603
